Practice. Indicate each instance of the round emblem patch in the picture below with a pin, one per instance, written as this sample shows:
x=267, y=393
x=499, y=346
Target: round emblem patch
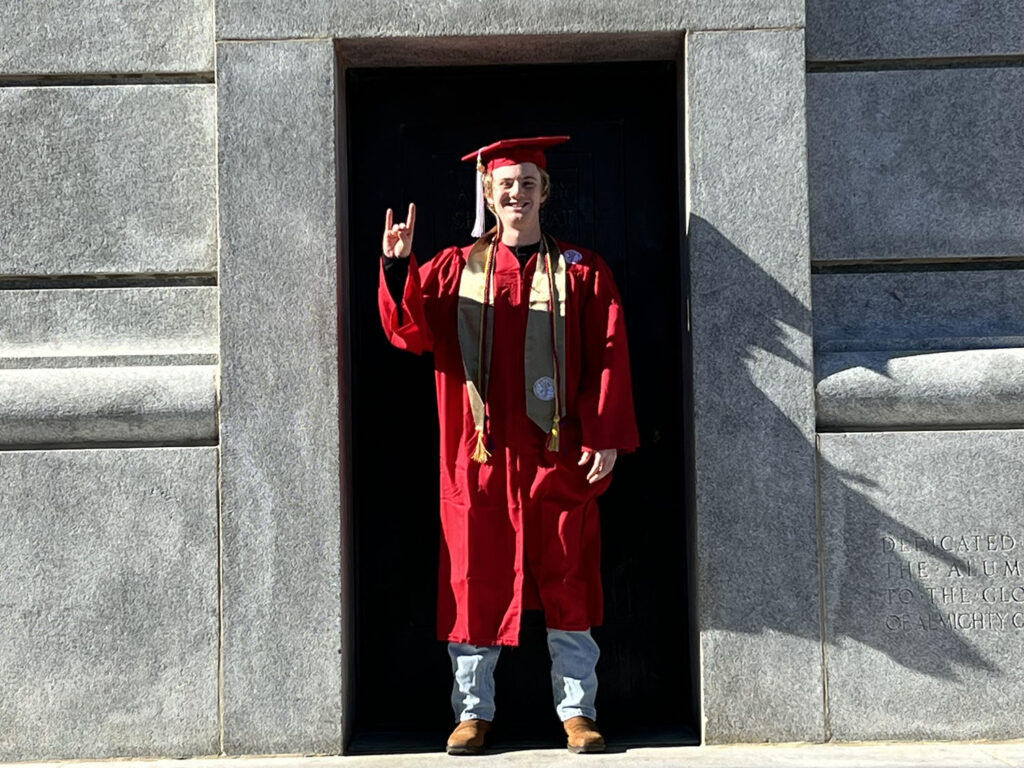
x=573, y=256
x=544, y=388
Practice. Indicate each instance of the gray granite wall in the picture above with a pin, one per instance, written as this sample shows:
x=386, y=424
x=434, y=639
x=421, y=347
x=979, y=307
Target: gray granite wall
x=928, y=30
x=109, y=363
x=108, y=559
x=760, y=639
x=917, y=240
x=279, y=326
x=171, y=465
x=85, y=38
x=365, y=19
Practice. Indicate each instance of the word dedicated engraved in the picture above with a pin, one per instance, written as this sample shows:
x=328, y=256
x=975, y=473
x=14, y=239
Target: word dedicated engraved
x=956, y=582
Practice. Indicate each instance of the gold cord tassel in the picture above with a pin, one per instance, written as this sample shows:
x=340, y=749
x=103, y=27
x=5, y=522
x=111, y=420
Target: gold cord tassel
x=552, y=443
x=481, y=454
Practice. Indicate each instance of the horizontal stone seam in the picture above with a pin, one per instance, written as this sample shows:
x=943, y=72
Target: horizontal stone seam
x=951, y=264
x=725, y=30
x=824, y=429
x=830, y=345
x=258, y=40
x=141, y=360
x=107, y=445
x=125, y=280
x=910, y=63
x=71, y=80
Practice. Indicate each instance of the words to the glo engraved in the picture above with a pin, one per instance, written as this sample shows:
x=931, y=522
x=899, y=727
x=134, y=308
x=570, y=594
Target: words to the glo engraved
x=968, y=582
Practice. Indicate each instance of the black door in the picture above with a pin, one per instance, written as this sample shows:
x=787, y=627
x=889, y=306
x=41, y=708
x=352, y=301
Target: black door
x=615, y=190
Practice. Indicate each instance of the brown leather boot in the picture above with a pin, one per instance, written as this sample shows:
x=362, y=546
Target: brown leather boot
x=468, y=737
x=583, y=735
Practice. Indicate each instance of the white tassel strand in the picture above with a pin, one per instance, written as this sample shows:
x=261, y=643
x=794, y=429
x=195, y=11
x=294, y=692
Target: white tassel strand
x=481, y=209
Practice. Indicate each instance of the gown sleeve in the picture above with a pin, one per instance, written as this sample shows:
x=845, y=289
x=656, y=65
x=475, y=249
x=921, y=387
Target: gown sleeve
x=407, y=307
x=606, y=396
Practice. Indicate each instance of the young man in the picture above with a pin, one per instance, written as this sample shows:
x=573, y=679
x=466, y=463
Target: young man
x=535, y=404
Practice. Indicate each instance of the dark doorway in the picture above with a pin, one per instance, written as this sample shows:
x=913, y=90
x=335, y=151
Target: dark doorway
x=615, y=190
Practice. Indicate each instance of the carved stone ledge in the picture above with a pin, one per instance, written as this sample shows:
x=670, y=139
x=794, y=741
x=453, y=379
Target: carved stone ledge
x=879, y=389
x=116, y=405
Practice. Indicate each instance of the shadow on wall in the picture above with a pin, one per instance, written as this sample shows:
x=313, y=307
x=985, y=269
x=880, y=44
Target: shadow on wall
x=753, y=566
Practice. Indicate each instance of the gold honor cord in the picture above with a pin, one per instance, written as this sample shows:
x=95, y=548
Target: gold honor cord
x=552, y=441
x=474, y=334
x=480, y=453
x=545, y=343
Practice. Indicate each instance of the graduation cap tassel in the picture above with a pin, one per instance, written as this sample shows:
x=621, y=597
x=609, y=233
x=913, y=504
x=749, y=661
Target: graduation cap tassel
x=481, y=209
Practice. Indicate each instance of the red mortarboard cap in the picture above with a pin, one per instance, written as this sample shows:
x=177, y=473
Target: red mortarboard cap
x=516, y=151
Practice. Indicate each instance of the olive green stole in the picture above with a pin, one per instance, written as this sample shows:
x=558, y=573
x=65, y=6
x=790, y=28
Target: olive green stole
x=544, y=343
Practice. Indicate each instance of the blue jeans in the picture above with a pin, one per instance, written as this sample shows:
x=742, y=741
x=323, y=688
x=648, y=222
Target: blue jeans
x=574, y=657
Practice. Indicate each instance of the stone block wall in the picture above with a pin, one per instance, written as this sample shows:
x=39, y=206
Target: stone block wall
x=85, y=38
x=109, y=367
x=174, y=530
x=917, y=244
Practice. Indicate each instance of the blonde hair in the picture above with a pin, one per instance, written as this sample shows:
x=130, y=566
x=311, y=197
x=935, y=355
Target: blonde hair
x=545, y=186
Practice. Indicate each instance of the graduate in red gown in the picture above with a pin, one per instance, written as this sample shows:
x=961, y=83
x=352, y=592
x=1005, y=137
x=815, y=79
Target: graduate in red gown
x=535, y=403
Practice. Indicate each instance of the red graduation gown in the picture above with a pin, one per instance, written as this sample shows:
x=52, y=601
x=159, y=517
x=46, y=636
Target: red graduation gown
x=521, y=531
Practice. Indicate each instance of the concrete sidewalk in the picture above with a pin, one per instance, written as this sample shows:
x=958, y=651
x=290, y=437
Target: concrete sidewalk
x=922, y=755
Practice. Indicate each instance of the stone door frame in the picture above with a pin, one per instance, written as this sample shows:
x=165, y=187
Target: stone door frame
x=286, y=542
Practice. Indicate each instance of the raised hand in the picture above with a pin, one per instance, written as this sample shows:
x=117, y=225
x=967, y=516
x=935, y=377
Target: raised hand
x=398, y=237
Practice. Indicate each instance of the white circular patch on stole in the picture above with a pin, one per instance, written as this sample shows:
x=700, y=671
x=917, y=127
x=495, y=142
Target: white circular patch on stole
x=573, y=256
x=544, y=388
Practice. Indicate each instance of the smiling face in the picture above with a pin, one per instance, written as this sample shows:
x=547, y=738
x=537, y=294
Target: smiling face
x=516, y=194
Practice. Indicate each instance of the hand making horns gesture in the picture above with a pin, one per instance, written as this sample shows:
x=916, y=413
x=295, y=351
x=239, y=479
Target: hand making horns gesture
x=398, y=237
